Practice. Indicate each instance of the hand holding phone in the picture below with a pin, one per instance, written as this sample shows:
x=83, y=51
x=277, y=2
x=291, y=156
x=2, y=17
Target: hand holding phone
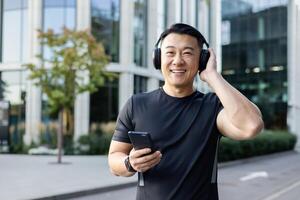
x=141, y=140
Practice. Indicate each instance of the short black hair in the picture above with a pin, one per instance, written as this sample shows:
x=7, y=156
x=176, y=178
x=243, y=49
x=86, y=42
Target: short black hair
x=181, y=28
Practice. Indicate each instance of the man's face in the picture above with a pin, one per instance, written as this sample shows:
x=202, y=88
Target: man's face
x=179, y=60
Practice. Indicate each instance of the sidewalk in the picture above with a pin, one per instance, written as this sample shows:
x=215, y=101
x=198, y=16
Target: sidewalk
x=40, y=177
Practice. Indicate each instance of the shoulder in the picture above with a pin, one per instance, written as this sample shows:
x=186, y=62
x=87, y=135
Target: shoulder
x=212, y=101
x=145, y=96
x=211, y=97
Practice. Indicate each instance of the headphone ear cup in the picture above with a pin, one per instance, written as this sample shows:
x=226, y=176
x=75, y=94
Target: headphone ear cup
x=204, y=56
x=156, y=58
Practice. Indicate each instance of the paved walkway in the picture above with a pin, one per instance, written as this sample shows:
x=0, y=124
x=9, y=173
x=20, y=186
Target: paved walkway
x=40, y=177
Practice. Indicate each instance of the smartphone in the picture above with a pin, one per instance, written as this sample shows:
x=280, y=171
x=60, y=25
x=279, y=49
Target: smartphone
x=141, y=140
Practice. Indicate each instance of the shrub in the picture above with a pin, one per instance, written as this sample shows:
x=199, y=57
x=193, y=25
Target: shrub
x=94, y=143
x=265, y=143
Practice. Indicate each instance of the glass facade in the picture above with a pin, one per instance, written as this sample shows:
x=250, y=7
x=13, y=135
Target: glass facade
x=56, y=15
x=140, y=84
x=106, y=25
x=104, y=103
x=12, y=89
x=254, y=54
x=140, y=32
x=59, y=14
x=14, y=31
x=106, y=29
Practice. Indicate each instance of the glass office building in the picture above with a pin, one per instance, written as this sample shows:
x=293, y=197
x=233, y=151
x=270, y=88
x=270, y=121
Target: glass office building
x=128, y=30
x=254, y=54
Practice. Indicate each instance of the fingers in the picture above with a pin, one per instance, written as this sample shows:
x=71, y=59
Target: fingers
x=139, y=153
x=141, y=162
x=144, y=167
x=212, y=53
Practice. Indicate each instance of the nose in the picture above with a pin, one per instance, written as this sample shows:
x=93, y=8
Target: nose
x=177, y=59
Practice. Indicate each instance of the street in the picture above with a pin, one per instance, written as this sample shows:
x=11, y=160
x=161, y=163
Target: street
x=274, y=177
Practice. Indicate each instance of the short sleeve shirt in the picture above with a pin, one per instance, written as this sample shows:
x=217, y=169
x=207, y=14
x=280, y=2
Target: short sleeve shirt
x=185, y=131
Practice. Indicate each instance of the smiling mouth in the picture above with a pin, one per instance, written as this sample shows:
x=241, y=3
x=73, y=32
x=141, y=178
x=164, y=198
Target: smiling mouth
x=177, y=70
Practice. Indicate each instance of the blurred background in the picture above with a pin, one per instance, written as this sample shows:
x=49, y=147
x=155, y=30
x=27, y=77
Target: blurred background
x=257, y=43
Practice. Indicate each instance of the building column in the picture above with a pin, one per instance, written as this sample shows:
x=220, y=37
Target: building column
x=82, y=101
x=126, y=78
x=125, y=88
x=33, y=93
x=215, y=30
x=293, y=69
x=210, y=27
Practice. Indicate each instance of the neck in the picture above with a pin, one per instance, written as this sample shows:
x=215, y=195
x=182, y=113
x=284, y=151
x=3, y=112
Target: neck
x=178, y=92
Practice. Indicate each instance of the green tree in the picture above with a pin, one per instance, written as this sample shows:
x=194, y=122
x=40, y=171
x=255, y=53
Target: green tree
x=61, y=76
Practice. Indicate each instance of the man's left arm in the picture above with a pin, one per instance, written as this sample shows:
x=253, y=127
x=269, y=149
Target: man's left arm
x=240, y=118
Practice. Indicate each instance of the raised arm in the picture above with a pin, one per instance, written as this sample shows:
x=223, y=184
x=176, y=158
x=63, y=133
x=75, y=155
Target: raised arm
x=240, y=118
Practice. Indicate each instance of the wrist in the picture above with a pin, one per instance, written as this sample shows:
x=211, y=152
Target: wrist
x=128, y=165
x=211, y=78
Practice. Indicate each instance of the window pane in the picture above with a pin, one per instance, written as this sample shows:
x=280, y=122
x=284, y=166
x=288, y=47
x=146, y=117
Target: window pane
x=54, y=3
x=105, y=25
x=255, y=58
x=12, y=86
x=71, y=3
x=140, y=84
x=140, y=36
x=54, y=19
x=12, y=4
x=24, y=35
x=11, y=36
x=70, y=18
x=104, y=103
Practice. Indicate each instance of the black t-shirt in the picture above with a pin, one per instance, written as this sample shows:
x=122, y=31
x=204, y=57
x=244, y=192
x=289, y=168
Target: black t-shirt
x=184, y=130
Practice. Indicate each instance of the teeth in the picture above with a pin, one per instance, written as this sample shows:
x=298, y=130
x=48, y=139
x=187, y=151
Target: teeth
x=178, y=71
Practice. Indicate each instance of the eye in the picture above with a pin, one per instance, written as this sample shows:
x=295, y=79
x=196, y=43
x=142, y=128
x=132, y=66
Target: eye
x=187, y=53
x=170, y=53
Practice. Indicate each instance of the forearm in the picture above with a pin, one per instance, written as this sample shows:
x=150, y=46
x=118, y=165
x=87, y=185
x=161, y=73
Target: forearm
x=242, y=113
x=117, y=166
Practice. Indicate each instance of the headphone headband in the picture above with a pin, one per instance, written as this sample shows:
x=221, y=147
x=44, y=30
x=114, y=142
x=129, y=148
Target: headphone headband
x=165, y=34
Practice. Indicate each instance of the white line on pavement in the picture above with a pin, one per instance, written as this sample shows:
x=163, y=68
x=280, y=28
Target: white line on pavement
x=282, y=191
x=254, y=175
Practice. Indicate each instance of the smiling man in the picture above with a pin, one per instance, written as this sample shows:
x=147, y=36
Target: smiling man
x=185, y=124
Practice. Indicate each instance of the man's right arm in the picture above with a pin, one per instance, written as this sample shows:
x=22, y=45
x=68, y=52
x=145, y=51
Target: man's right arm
x=118, y=152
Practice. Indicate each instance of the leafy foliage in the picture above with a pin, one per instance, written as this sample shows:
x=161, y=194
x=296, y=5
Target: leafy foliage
x=265, y=143
x=61, y=76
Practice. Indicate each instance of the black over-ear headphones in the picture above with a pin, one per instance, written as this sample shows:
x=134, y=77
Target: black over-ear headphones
x=204, y=55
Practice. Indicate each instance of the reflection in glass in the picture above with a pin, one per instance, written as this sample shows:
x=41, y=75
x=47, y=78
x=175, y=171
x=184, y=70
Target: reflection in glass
x=104, y=103
x=140, y=32
x=15, y=31
x=254, y=54
x=12, y=89
x=58, y=14
x=106, y=25
x=12, y=4
x=54, y=19
x=11, y=36
x=140, y=84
